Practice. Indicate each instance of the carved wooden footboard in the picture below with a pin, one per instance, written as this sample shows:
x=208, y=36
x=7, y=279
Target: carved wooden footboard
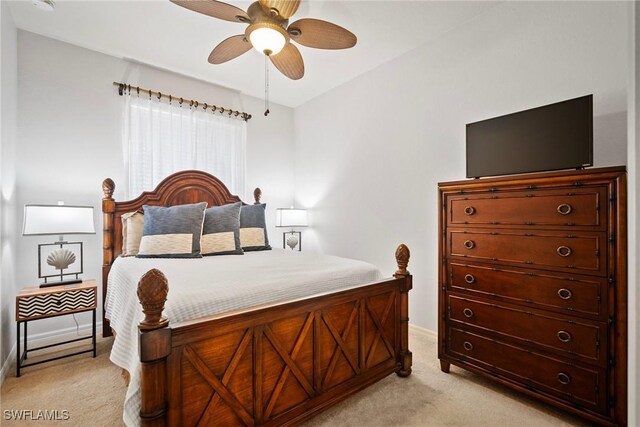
x=271, y=365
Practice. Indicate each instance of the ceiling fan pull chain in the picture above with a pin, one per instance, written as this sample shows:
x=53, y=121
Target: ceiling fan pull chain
x=266, y=85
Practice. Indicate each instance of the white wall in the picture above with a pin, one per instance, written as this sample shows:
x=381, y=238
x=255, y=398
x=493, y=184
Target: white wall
x=8, y=206
x=69, y=121
x=633, y=155
x=370, y=153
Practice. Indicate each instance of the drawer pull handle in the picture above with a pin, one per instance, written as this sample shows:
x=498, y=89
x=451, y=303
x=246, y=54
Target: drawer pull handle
x=469, y=244
x=469, y=278
x=564, y=209
x=564, y=336
x=564, y=293
x=564, y=378
x=469, y=210
x=467, y=312
x=564, y=251
x=467, y=346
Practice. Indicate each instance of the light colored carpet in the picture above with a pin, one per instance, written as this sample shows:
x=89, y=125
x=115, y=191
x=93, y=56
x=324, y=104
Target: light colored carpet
x=92, y=390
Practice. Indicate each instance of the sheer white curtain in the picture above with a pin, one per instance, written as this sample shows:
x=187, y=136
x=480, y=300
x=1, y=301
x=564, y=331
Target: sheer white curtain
x=161, y=138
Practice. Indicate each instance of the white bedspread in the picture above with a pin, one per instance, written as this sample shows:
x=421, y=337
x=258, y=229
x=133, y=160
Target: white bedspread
x=210, y=285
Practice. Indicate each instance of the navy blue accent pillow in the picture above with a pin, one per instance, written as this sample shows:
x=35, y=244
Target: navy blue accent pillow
x=172, y=232
x=221, y=231
x=253, y=228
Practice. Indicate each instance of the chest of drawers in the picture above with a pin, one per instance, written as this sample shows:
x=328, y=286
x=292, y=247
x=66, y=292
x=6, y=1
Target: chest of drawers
x=533, y=286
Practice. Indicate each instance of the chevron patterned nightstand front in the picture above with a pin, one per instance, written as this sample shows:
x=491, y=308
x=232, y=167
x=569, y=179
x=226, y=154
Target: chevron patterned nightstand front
x=37, y=303
x=42, y=303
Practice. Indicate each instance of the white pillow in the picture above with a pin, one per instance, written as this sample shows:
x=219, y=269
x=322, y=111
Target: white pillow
x=132, y=226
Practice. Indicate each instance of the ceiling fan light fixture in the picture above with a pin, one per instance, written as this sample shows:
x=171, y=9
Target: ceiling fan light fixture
x=46, y=5
x=267, y=39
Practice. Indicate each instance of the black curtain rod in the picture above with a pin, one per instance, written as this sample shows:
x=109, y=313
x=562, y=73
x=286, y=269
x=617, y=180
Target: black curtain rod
x=125, y=89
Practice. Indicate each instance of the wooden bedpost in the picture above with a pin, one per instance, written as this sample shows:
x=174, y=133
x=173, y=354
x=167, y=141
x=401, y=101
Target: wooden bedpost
x=108, y=209
x=257, y=193
x=155, y=346
x=402, y=259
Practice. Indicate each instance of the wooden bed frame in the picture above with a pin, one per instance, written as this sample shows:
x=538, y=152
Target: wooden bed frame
x=276, y=364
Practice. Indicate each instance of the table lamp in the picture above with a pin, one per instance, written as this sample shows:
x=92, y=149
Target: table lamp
x=55, y=258
x=291, y=218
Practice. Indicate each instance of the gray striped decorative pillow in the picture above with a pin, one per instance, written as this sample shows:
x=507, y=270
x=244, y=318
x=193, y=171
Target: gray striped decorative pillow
x=172, y=232
x=221, y=231
x=253, y=228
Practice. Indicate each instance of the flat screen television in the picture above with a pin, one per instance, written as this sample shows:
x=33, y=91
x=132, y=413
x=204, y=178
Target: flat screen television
x=551, y=137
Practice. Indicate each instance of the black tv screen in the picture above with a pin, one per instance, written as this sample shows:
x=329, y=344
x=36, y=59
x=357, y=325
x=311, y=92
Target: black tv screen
x=552, y=137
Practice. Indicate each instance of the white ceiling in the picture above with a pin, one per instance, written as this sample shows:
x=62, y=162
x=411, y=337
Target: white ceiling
x=159, y=33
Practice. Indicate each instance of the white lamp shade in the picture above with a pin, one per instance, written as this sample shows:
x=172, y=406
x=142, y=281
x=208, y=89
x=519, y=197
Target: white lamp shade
x=267, y=39
x=57, y=219
x=291, y=217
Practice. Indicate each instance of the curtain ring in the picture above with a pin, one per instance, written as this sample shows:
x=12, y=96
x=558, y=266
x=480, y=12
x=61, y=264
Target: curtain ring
x=159, y=96
x=120, y=89
x=205, y=107
x=196, y=104
x=129, y=89
x=138, y=89
x=181, y=100
x=170, y=98
x=236, y=113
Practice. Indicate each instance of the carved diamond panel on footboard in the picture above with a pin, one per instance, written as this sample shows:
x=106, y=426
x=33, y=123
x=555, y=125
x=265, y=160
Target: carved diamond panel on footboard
x=287, y=364
x=214, y=384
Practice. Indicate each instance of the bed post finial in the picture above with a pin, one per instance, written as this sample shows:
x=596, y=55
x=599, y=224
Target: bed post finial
x=153, y=288
x=107, y=188
x=404, y=357
x=257, y=193
x=402, y=259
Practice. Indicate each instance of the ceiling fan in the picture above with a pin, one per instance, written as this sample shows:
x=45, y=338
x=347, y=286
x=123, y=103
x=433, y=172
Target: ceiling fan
x=269, y=32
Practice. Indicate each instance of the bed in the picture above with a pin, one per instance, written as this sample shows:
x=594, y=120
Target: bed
x=275, y=351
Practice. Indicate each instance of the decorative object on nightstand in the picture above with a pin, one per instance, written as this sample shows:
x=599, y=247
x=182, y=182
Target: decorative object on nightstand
x=55, y=258
x=35, y=303
x=291, y=218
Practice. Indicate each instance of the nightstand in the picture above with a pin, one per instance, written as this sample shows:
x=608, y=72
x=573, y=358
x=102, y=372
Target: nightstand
x=43, y=303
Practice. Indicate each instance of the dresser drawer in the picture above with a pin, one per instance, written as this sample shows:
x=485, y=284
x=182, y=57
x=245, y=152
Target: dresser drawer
x=55, y=303
x=579, y=207
x=581, y=339
x=555, y=250
x=562, y=292
x=572, y=383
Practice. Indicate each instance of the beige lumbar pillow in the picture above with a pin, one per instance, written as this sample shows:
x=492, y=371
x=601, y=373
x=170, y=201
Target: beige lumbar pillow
x=132, y=226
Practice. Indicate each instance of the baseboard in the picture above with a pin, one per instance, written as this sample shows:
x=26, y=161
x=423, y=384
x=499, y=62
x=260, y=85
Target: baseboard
x=46, y=338
x=8, y=363
x=423, y=331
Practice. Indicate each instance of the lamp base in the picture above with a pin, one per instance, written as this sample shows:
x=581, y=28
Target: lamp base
x=293, y=240
x=62, y=283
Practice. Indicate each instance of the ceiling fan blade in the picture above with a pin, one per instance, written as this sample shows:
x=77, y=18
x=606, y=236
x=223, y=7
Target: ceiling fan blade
x=285, y=8
x=289, y=62
x=216, y=9
x=321, y=34
x=228, y=49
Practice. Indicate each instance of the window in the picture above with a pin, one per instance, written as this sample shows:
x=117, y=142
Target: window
x=161, y=138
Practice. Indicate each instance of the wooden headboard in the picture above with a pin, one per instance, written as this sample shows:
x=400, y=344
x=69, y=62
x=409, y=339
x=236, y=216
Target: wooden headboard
x=181, y=188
